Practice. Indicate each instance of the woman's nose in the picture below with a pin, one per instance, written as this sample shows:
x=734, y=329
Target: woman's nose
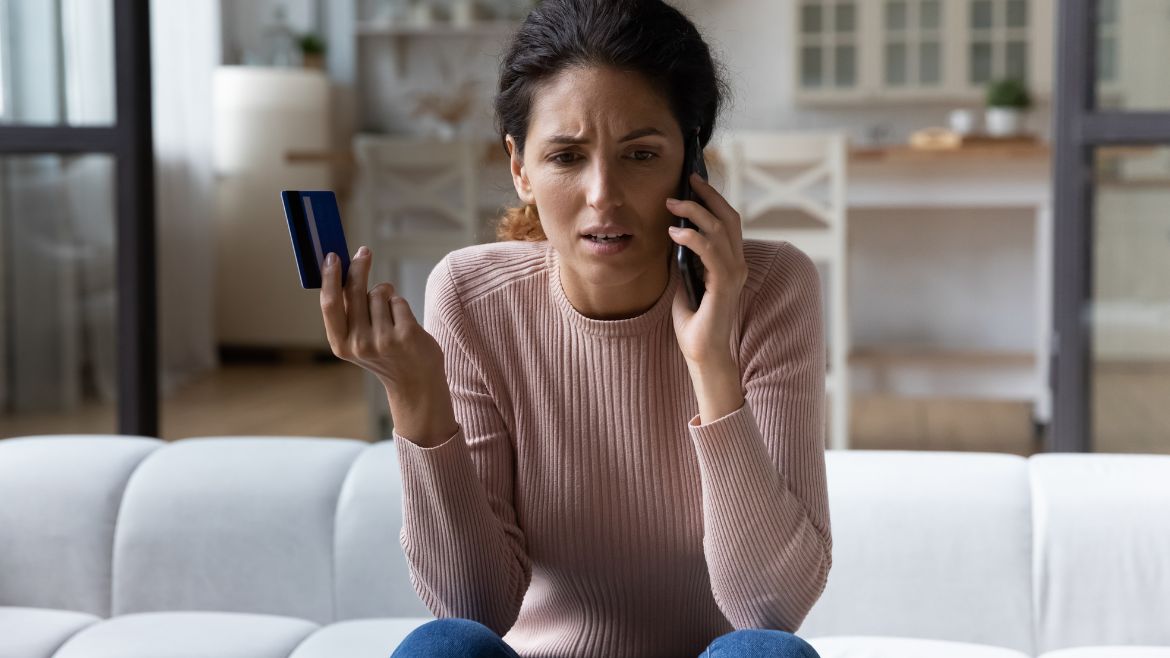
x=604, y=186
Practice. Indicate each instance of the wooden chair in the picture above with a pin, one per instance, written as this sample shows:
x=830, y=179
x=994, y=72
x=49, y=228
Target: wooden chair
x=415, y=200
x=813, y=185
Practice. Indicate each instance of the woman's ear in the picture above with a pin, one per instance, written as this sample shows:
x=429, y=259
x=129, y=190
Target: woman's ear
x=519, y=174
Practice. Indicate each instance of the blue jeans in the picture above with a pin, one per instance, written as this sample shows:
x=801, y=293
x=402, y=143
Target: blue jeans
x=462, y=638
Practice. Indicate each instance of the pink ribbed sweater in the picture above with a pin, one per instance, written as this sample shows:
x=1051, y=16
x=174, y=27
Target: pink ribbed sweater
x=580, y=510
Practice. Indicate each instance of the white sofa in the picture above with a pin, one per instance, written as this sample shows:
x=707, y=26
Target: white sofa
x=266, y=547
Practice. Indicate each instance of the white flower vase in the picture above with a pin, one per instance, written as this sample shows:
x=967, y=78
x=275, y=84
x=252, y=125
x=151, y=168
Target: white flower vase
x=1004, y=121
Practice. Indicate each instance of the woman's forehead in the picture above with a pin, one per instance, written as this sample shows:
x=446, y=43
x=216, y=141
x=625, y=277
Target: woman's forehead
x=580, y=101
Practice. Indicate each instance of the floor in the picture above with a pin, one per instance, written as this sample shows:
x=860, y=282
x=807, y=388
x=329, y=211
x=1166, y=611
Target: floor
x=328, y=399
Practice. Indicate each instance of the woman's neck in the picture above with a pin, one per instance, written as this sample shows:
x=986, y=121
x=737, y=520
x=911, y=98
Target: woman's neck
x=619, y=301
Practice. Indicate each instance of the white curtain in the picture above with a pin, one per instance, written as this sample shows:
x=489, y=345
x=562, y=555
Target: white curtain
x=186, y=50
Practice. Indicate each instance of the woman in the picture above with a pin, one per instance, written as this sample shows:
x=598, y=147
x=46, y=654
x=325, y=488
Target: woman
x=590, y=467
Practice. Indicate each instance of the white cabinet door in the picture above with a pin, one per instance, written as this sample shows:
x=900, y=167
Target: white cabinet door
x=919, y=50
x=828, y=49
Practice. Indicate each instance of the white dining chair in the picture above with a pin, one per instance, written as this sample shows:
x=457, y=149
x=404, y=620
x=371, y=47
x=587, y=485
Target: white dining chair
x=766, y=172
x=415, y=201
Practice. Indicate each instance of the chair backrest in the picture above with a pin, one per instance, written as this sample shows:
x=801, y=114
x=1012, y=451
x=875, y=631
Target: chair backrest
x=411, y=186
x=1102, y=564
x=59, y=500
x=928, y=545
x=770, y=171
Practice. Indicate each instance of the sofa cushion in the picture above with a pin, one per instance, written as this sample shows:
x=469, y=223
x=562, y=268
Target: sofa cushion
x=1103, y=549
x=232, y=524
x=904, y=647
x=36, y=632
x=361, y=638
x=1110, y=652
x=373, y=576
x=189, y=635
x=59, y=498
x=933, y=545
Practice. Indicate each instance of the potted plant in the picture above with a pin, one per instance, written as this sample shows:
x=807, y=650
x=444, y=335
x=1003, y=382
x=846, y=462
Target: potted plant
x=1007, y=102
x=312, y=51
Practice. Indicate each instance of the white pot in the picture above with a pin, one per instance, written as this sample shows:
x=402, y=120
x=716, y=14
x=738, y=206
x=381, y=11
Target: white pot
x=962, y=121
x=1004, y=121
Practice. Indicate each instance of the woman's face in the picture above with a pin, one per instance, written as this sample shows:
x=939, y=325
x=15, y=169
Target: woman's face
x=603, y=153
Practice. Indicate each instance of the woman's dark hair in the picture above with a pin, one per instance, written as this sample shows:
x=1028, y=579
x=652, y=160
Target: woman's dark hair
x=648, y=37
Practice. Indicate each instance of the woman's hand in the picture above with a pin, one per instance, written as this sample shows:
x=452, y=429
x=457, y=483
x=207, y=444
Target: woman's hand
x=704, y=335
x=377, y=331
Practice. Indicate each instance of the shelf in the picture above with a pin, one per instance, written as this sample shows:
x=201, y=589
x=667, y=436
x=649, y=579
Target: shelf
x=399, y=33
x=1008, y=148
x=493, y=28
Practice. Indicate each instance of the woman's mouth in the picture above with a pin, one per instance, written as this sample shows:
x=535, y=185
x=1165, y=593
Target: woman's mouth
x=607, y=244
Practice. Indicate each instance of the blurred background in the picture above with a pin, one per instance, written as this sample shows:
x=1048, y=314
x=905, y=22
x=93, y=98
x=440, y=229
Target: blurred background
x=908, y=145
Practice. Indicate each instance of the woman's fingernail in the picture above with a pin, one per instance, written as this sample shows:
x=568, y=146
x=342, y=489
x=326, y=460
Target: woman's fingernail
x=361, y=251
x=674, y=230
x=671, y=201
x=330, y=259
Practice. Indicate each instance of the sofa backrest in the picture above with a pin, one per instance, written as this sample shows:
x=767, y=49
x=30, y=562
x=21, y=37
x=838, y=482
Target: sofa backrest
x=372, y=576
x=1102, y=565
x=950, y=546
x=59, y=499
x=235, y=524
x=928, y=545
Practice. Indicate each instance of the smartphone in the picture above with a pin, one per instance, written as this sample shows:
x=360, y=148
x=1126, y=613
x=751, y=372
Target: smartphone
x=689, y=263
x=314, y=225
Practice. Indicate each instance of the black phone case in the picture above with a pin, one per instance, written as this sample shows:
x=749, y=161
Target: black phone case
x=689, y=263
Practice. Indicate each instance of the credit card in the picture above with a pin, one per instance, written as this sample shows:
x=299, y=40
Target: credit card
x=314, y=224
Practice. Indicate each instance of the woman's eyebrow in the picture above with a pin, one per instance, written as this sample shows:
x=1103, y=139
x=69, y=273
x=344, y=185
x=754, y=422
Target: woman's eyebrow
x=571, y=139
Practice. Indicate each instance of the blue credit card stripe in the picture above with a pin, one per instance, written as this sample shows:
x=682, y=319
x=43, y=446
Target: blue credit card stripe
x=311, y=220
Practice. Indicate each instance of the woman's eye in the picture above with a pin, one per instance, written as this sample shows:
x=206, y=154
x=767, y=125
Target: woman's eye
x=569, y=158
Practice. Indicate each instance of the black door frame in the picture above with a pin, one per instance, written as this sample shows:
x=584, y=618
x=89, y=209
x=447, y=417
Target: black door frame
x=131, y=143
x=1078, y=129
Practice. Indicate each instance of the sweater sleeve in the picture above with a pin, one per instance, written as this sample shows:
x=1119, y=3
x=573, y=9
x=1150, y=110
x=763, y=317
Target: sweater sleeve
x=460, y=533
x=766, y=535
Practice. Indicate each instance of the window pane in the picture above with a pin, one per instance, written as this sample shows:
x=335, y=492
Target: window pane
x=1133, y=47
x=845, y=18
x=931, y=14
x=1130, y=308
x=811, y=71
x=896, y=15
x=1017, y=60
x=846, y=66
x=1107, y=11
x=58, y=295
x=810, y=19
x=896, y=64
x=929, y=63
x=1017, y=13
x=57, y=62
x=981, y=14
x=980, y=63
x=1107, y=59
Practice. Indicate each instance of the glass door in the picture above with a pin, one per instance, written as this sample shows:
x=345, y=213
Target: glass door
x=1111, y=362
x=77, y=291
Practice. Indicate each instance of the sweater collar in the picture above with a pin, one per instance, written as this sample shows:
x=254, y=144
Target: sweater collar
x=639, y=324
